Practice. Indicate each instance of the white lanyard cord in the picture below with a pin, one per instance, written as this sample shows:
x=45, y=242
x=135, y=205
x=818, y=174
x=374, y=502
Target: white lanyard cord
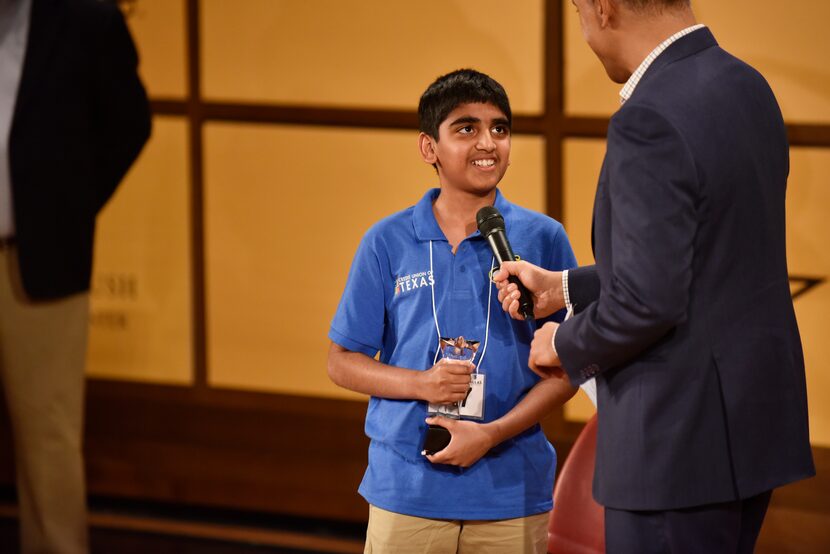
x=491, y=286
x=435, y=312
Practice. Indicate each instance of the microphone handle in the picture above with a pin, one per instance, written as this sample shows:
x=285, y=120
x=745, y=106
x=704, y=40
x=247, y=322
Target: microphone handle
x=503, y=252
x=525, y=300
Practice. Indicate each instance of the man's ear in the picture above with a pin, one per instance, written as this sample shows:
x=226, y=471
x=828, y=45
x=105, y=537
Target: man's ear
x=426, y=145
x=605, y=10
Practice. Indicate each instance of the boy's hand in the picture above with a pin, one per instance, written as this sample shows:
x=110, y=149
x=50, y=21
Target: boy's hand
x=445, y=382
x=470, y=441
x=544, y=285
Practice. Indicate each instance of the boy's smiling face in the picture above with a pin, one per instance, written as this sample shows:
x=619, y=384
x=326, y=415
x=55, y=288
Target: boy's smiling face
x=473, y=150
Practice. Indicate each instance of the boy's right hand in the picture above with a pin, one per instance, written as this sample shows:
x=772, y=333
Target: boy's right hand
x=445, y=382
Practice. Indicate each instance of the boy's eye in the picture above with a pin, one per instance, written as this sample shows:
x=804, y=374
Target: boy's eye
x=500, y=130
x=467, y=129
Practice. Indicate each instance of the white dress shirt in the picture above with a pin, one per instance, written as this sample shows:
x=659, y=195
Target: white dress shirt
x=14, y=30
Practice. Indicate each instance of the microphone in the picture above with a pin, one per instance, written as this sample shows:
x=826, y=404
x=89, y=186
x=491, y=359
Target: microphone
x=491, y=225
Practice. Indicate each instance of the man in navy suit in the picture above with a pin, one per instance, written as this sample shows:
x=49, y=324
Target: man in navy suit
x=686, y=320
x=73, y=117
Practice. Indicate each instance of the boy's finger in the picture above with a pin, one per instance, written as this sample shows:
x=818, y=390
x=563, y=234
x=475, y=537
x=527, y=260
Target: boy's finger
x=436, y=458
x=460, y=369
x=445, y=422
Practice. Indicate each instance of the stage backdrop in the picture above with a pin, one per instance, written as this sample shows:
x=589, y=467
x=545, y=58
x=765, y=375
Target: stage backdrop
x=284, y=206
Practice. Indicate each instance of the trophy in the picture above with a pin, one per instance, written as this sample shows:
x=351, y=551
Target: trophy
x=459, y=351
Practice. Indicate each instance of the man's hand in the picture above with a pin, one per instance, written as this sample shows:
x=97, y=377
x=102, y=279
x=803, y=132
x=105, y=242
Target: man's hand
x=470, y=441
x=543, y=360
x=544, y=285
x=445, y=382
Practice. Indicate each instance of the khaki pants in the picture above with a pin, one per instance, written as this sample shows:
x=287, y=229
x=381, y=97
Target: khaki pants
x=391, y=533
x=42, y=358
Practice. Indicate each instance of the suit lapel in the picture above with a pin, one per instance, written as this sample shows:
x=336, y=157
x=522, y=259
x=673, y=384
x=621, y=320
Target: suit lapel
x=44, y=26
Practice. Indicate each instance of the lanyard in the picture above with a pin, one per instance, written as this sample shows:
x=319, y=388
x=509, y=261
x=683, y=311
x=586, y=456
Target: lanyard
x=435, y=312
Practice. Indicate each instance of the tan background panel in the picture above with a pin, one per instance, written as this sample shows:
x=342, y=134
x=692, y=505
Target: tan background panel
x=808, y=227
x=582, y=159
x=807, y=231
x=372, y=53
x=791, y=52
x=141, y=308
x=285, y=209
x=158, y=29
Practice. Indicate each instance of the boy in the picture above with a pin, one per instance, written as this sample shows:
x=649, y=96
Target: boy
x=424, y=273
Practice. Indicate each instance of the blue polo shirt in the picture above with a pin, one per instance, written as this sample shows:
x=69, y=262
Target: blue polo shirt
x=387, y=307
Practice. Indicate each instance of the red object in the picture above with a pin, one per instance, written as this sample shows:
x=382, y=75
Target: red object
x=577, y=522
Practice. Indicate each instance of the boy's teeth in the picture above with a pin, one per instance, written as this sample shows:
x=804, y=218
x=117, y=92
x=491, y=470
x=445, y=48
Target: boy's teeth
x=484, y=162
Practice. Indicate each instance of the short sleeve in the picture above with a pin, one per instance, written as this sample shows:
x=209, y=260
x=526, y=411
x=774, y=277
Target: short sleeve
x=563, y=255
x=358, y=324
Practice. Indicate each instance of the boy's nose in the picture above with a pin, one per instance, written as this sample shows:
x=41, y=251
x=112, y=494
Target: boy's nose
x=486, y=143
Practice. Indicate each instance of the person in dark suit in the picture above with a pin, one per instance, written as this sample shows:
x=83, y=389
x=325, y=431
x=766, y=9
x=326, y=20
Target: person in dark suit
x=73, y=118
x=686, y=320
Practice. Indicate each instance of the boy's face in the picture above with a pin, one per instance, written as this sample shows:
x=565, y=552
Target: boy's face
x=473, y=150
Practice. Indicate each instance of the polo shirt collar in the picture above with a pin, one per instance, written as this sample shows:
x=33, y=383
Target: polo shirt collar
x=425, y=224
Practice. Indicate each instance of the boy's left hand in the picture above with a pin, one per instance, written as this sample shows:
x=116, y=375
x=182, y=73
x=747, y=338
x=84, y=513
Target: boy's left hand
x=470, y=441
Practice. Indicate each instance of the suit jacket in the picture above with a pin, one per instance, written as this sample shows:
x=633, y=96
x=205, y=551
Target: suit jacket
x=692, y=335
x=80, y=119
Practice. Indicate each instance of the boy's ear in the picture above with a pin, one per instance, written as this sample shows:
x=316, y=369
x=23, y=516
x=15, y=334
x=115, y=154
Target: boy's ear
x=426, y=145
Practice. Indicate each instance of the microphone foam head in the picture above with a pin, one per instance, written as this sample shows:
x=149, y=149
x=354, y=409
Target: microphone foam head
x=488, y=219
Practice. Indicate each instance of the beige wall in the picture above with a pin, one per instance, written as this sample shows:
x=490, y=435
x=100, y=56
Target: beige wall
x=141, y=295
x=371, y=53
x=286, y=207
x=266, y=323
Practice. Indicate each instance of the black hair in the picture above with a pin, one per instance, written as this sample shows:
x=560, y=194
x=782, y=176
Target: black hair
x=449, y=91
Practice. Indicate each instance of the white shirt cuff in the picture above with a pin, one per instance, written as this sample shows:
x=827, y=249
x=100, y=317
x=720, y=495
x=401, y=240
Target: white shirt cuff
x=566, y=294
x=553, y=341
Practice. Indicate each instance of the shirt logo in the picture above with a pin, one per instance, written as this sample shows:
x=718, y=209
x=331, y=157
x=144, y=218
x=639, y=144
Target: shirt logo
x=414, y=281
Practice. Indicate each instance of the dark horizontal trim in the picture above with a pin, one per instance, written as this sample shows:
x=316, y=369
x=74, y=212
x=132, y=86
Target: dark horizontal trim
x=585, y=127
x=318, y=116
x=801, y=134
x=337, y=117
x=169, y=107
x=302, y=115
x=597, y=127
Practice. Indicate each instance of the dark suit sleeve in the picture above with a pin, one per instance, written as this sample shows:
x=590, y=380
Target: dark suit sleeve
x=652, y=186
x=583, y=287
x=122, y=112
